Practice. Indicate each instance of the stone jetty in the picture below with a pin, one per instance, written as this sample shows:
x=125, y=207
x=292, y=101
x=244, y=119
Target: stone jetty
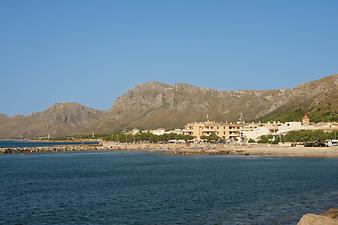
x=48, y=149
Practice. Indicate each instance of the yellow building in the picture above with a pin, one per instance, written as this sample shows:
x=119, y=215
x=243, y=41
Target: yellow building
x=222, y=130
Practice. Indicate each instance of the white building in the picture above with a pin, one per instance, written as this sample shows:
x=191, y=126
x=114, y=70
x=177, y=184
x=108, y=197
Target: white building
x=255, y=131
x=290, y=126
x=158, y=132
x=175, y=131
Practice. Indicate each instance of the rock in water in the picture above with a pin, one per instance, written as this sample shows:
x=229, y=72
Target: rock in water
x=332, y=213
x=330, y=217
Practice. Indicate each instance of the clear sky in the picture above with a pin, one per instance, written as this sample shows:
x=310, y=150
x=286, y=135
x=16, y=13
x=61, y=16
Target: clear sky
x=91, y=52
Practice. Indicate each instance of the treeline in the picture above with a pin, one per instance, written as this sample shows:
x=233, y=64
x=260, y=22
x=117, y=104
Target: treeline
x=145, y=137
x=123, y=137
x=211, y=138
x=302, y=136
x=74, y=137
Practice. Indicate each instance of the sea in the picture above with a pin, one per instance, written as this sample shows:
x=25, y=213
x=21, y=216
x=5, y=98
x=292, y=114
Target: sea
x=126, y=187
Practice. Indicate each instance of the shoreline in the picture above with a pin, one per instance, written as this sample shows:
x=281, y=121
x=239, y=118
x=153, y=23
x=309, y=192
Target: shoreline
x=188, y=149
x=234, y=150
x=53, y=141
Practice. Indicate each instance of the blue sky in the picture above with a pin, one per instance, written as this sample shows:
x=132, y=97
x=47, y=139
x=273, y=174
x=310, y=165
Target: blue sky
x=92, y=51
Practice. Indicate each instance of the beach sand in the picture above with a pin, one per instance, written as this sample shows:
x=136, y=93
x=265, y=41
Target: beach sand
x=224, y=149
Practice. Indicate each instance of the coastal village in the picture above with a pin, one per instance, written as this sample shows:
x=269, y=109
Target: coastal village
x=242, y=132
x=211, y=137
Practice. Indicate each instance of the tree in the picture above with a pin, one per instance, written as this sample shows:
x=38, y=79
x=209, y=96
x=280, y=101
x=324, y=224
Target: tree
x=251, y=140
x=210, y=138
x=144, y=137
x=265, y=139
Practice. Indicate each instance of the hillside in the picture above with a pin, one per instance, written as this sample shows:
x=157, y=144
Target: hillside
x=59, y=120
x=153, y=105
x=318, y=98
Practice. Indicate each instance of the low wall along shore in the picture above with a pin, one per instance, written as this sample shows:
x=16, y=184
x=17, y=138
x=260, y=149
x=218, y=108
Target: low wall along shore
x=191, y=148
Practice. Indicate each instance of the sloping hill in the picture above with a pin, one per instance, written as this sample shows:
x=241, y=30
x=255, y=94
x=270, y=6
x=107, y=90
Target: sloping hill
x=59, y=120
x=318, y=98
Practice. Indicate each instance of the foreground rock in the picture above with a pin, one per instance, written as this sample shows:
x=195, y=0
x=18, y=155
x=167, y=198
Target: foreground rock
x=330, y=217
x=332, y=213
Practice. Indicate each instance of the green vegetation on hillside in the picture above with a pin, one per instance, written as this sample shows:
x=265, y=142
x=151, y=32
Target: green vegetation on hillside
x=297, y=115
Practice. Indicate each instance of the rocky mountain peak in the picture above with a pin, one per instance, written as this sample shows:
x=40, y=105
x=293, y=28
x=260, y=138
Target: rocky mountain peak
x=151, y=85
x=63, y=105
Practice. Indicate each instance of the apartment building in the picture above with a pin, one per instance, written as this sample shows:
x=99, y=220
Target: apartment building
x=222, y=130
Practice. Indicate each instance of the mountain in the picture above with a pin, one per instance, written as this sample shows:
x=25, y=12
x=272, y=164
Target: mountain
x=153, y=105
x=59, y=120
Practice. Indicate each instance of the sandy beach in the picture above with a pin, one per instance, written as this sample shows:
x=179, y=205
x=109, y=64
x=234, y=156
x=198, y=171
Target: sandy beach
x=223, y=149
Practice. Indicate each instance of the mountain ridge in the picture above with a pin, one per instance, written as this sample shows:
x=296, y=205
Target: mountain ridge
x=154, y=104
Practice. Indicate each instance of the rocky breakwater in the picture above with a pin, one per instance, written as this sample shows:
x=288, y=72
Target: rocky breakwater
x=330, y=217
x=61, y=148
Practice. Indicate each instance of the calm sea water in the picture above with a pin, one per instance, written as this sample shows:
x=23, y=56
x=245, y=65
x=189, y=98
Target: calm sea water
x=152, y=188
x=23, y=144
